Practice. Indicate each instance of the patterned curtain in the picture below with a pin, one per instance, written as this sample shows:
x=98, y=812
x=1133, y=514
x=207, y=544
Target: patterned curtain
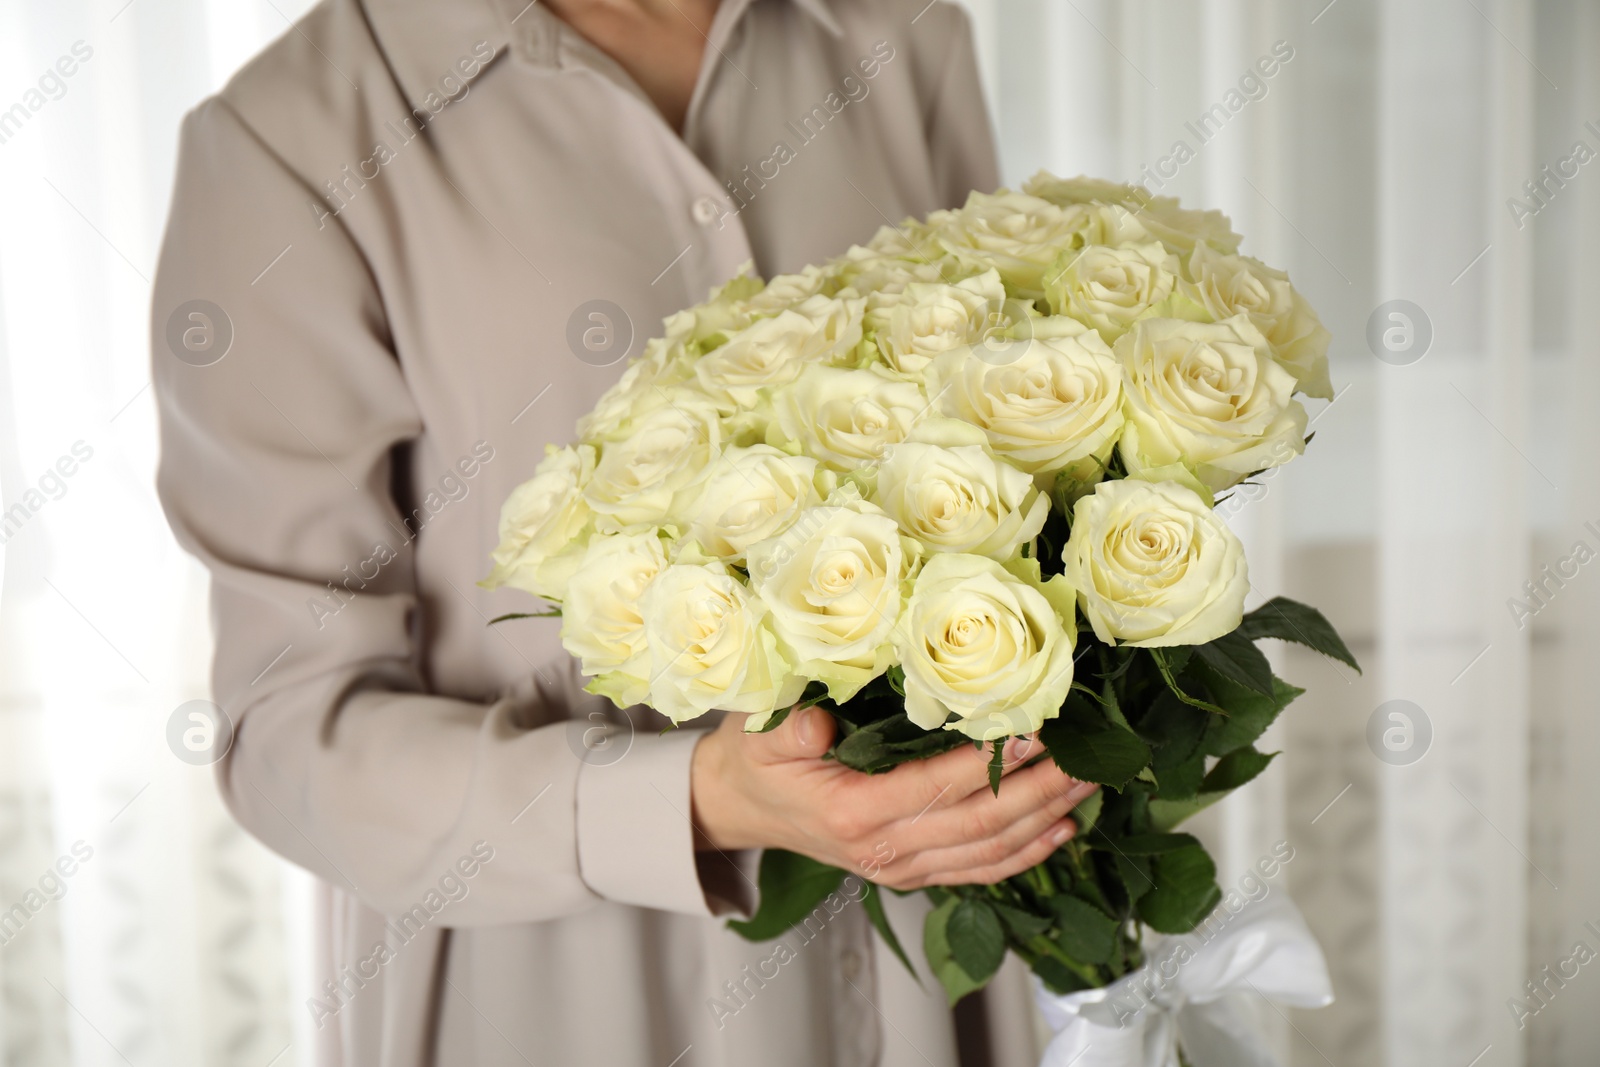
x=1423, y=169
x=1415, y=163
x=138, y=923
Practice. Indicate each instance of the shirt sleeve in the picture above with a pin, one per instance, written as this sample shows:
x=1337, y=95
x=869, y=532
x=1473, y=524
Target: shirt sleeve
x=960, y=138
x=275, y=471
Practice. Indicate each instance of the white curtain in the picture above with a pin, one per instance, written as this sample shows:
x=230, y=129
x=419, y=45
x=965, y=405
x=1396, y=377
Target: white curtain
x=1375, y=163
x=1443, y=846
x=151, y=930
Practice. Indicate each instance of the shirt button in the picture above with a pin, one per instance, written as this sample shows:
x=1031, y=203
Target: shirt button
x=850, y=960
x=706, y=211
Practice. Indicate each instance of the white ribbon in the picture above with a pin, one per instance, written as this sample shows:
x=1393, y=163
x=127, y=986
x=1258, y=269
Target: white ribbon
x=1190, y=991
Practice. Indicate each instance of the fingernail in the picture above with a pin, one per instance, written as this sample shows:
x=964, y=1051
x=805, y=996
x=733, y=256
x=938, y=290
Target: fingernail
x=802, y=725
x=1017, y=748
x=1061, y=836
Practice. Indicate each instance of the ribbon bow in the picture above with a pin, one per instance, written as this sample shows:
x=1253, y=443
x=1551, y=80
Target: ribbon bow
x=1189, y=991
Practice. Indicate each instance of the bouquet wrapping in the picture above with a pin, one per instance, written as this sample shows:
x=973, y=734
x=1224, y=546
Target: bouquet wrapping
x=956, y=485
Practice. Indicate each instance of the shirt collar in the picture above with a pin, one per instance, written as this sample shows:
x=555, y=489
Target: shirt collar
x=425, y=41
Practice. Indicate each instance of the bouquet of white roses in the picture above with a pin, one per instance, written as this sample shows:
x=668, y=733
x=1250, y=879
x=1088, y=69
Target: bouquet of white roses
x=954, y=486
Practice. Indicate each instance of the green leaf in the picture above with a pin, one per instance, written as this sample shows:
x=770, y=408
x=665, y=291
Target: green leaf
x=882, y=744
x=863, y=750
x=1085, y=933
x=1290, y=620
x=1237, y=659
x=775, y=720
x=1109, y=880
x=1109, y=700
x=1087, y=810
x=1235, y=769
x=1185, y=891
x=1104, y=702
x=1173, y=729
x=977, y=943
x=936, y=946
x=1147, y=844
x=997, y=764
x=1058, y=977
x=1022, y=924
x=873, y=902
x=1181, y=780
x=1166, y=814
x=1136, y=872
x=553, y=613
x=1249, y=713
x=791, y=887
x=1090, y=748
x=1165, y=661
x=1176, y=656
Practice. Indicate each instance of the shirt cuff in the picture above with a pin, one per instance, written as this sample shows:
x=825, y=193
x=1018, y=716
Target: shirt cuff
x=635, y=838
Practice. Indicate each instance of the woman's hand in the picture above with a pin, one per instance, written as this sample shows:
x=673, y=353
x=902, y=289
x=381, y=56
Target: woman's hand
x=927, y=822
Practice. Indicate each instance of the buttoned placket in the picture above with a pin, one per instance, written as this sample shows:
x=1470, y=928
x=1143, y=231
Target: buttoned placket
x=713, y=234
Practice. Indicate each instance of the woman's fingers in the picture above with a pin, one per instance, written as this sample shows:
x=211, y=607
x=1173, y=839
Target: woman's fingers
x=926, y=822
x=982, y=815
x=937, y=783
x=804, y=734
x=1031, y=855
x=996, y=831
x=973, y=855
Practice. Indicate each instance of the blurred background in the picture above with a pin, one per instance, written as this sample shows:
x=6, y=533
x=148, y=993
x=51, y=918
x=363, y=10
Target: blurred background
x=1425, y=169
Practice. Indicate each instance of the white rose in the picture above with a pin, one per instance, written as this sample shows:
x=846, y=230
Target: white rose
x=1111, y=225
x=1108, y=288
x=959, y=498
x=1161, y=216
x=750, y=494
x=845, y=417
x=836, y=323
x=1181, y=229
x=1235, y=285
x=909, y=240
x=724, y=312
x=986, y=648
x=543, y=523
x=1016, y=234
x=657, y=455
x=1047, y=404
x=601, y=621
x=831, y=583
x=1154, y=566
x=787, y=290
x=710, y=647
x=1209, y=396
x=926, y=319
x=1083, y=190
x=769, y=352
x=865, y=273
x=663, y=366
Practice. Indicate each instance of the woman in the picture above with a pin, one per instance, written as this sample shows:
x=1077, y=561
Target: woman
x=419, y=237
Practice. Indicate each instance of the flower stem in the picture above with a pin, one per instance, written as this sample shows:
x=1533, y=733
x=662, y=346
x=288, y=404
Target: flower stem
x=1043, y=944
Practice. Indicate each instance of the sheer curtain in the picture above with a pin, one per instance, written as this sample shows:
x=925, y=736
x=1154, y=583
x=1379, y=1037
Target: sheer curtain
x=151, y=929
x=1442, y=847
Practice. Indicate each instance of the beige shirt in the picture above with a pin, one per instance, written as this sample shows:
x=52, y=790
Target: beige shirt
x=399, y=218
